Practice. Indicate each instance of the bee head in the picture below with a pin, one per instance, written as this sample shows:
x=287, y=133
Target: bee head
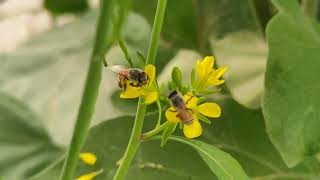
x=176, y=99
x=172, y=94
x=139, y=76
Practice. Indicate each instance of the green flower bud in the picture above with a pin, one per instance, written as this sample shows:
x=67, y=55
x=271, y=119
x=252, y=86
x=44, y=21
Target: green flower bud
x=185, y=89
x=177, y=77
x=172, y=85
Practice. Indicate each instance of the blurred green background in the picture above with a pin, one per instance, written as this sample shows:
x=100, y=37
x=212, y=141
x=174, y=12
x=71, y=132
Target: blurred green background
x=44, y=53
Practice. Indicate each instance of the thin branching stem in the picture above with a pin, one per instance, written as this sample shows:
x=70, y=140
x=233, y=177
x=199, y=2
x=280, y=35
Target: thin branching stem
x=141, y=109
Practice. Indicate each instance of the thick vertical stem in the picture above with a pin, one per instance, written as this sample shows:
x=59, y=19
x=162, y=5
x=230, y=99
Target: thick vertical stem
x=90, y=93
x=138, y=124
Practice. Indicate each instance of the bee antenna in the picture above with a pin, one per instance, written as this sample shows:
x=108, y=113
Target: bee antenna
x=173, y=93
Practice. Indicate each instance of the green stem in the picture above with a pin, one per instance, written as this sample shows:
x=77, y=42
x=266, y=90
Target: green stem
x=154, y=131
x=90, y=92
x=262, y=12
x=310, y=7
x=138, y=124
x=133, y=142
x=155, y=34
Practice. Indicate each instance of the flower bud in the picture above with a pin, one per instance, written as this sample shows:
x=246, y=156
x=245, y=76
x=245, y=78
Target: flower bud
x=177, y=77
x=172, y=85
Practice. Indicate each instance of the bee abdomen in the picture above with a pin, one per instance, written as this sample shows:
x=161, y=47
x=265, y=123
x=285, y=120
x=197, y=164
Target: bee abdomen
x=188, y=122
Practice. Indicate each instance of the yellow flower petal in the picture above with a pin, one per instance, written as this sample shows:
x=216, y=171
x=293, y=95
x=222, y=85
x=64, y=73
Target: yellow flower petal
x=193, y=130
x=171, y=115
x=219, y=72
x=88, y=158
x=190, y=100
x=210, y=109
x=151, y=97
x=90, y=176
x=131, y=92
x=151, y=71
x=214, y=82
x=200, y=71
x=215, y=75
x=207, y=64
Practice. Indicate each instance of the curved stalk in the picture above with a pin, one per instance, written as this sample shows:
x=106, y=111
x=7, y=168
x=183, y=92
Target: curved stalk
x=90, y=93
x=153, y=132
x=137, y=128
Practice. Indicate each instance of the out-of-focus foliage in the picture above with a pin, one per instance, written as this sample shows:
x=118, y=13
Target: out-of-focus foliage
x=48, y=72
x=66, y=6
x=188, y=24
x=25, y=146
x=292, y=99
x=233, y=133
x=49, y=76
x=245, y=54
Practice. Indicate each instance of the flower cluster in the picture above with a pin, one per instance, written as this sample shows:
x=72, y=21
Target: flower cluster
x=187, y=107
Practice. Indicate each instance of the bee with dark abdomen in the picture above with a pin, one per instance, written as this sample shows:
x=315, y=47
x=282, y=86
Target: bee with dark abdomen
x=183, y=113
x=137, y=77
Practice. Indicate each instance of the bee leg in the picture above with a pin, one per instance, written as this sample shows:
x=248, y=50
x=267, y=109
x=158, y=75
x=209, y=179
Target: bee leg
x=136, y=85
x=124, y=88
x=119, y=84
x=189, y=99
x=173, y=110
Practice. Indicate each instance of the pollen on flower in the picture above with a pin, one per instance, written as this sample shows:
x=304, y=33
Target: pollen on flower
x=88, y=158
x=90, y=176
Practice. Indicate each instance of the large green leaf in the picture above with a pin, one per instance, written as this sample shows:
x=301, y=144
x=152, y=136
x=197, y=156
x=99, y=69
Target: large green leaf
x=245, y=54
x=239, y=131
x=25, y=147
x=48, y=72
x=221, y=163
x=292, y=99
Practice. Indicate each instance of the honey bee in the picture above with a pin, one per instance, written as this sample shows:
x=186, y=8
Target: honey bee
x=183, y=113
x=137, y=77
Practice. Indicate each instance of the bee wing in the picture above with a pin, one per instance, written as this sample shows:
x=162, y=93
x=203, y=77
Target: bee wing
x=118, y=68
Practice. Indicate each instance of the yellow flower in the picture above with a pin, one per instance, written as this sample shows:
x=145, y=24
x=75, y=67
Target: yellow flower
x=207, y=109
x=88, y=158
x=90, y=176
x=207, y=75
x=149, y=90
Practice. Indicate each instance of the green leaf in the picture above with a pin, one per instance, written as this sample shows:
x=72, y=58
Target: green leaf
x=25, y=146
x=239, y=132
x=221, y=163
x=291, y=98
x=246, y=65
x=168, y=130
x=66, y=6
